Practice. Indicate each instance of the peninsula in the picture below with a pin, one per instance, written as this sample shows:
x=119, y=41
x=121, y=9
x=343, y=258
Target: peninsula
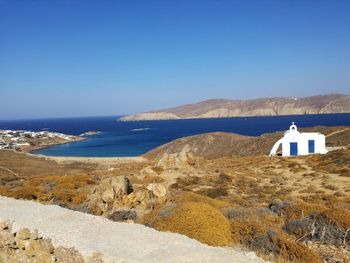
x=27, y=141
x=222, y=108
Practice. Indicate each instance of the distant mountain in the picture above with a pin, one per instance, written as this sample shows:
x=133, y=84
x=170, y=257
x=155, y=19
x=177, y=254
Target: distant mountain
x=220, y=108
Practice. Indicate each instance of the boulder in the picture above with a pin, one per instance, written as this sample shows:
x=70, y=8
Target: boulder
x=105, y=194
x=121, y=185
x=68, y=255
x=23, y=234
x=140, y=199
x=116, y=194
x=114, y=186
x=35, y=235
x=6, y=238
x=177, y=160
x=5, y=225
x=108, y=194
x=96, y=257
x=26, y=246
x=40, y=248
x=123, y=215
x=23, y=244
x=159, y=191
x=148, y=171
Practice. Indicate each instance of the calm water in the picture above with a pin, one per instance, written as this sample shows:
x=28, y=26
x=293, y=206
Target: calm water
x=134, y=138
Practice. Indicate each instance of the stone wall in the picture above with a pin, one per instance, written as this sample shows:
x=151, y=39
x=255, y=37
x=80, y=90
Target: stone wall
x=27, y=246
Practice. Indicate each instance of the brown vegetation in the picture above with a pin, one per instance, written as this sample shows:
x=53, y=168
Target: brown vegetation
x=197, y=220
x=286, y=209
x=66, y=184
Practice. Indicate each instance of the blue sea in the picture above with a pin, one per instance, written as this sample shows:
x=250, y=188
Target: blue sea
x=118, y=138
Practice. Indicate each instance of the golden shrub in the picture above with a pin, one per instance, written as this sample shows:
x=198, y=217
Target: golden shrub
x=255, y=235
x=338, y=216
x=193, y=197
x=196, y=220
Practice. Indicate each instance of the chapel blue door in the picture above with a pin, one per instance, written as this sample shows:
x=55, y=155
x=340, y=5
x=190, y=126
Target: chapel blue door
x=311, y=146
x=293, y=149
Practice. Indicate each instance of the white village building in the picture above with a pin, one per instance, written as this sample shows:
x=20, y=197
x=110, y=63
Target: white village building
x=296, y=143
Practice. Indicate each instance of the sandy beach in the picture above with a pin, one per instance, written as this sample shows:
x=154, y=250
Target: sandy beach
x=93, y=160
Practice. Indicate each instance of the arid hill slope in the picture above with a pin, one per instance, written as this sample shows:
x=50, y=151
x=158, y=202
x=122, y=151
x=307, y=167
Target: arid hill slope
x=221, y=144
x=266, y=205
x=219, y=108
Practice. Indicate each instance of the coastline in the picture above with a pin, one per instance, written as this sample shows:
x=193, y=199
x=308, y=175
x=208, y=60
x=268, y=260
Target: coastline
x=82, y=159
x=29, y=151
x=99, y=160
x=38, y=147
x=124, y=119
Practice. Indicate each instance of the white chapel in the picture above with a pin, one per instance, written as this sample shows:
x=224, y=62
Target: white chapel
x=296, y=143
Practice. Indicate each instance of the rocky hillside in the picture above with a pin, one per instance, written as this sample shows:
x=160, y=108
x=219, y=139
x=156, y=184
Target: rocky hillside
x=221, y=144
x=209, y=145
x=219, y=108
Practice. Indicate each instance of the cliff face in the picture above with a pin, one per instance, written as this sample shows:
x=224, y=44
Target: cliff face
x=219, y=108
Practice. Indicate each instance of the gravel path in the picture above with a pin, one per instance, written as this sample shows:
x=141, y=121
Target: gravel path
x=119, y=242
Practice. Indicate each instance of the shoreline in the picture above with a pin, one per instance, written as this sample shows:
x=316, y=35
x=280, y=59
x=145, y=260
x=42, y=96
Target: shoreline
x=121, y=119
x=39, y=147
x=99, y=160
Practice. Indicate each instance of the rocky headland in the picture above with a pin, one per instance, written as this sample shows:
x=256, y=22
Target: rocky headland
x=221, y=108
x=27, y=141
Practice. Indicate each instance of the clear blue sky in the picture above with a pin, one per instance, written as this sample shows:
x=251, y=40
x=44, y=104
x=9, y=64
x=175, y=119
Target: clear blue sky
x=81, y=58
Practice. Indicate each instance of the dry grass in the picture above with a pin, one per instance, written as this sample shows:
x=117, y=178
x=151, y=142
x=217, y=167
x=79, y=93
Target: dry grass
x=182, y=197
x=146, y=179
x=338, y=216
x=270, y=241
x=302, y=209
x=196, y=220
x=69, y=190
x=66, y=184
x=315, y=186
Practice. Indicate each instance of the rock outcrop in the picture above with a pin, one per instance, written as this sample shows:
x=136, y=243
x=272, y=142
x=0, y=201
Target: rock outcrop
x=177, y=160
x=114, y=197
x=27, y=246
x=159, y=191
x=220, y=108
